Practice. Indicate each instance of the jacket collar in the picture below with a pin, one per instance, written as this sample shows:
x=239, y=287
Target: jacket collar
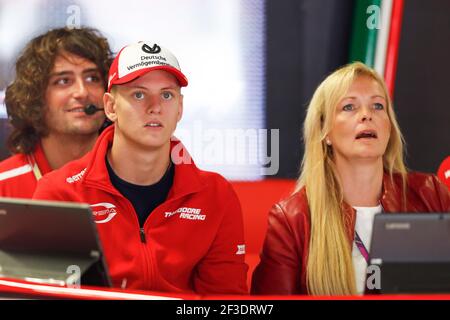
x=186, y=180
x=187, y=176
x=41, y=160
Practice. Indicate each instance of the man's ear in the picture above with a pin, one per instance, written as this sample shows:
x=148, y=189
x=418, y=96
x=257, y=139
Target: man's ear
x=109, y=103
x=180, y=109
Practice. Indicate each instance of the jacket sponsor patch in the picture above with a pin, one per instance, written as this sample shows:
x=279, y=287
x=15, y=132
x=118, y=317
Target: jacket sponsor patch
x=103, y=212
x=187, y=213
x=240, y=249
x=76, y=177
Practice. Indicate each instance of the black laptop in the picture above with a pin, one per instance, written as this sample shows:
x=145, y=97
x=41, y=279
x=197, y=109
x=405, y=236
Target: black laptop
x=412, y=251
x=50, y=242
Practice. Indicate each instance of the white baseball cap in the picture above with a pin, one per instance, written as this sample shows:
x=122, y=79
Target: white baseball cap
x=137, y=59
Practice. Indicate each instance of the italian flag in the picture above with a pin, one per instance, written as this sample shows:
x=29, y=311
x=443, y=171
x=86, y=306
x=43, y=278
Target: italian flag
x=376, y=35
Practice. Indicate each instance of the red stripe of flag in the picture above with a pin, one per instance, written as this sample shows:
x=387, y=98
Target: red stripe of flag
x=393, y=45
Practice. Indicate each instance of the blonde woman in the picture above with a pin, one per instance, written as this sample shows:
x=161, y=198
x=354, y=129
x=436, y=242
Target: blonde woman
x=352, y=169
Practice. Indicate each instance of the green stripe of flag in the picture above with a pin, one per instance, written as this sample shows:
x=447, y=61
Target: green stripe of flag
x=363, y=42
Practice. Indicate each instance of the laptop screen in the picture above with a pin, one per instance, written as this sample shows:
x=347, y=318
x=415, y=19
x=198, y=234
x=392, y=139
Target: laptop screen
x=412, y=251
x=50, y=242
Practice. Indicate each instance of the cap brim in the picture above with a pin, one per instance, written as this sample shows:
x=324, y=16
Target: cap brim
x=182, y=80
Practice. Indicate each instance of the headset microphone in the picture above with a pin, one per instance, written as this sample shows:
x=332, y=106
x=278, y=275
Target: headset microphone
x=90, y=109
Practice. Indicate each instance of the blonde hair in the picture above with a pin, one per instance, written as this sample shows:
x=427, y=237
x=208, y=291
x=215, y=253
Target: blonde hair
x=329, y=269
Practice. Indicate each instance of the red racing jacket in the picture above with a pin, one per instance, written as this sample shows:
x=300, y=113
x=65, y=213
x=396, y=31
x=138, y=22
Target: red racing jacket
x=19, y=174
x=193, y=242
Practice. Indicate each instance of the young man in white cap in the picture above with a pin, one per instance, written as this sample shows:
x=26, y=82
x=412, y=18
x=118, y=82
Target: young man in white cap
x=164, y=224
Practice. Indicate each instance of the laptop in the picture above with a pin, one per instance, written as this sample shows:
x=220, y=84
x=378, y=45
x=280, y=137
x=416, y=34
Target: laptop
x=412, y=252
x=51, y=243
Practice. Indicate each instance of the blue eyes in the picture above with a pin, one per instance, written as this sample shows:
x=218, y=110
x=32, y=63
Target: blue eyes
x=351, y=107
x=348, y=107
x=378, y=106
x=139, y=95
x=165, y=96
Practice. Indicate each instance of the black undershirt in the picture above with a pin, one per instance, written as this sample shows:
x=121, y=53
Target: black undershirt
x=143, y=198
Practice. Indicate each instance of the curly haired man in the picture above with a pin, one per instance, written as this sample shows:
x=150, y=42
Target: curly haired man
x=58, y=74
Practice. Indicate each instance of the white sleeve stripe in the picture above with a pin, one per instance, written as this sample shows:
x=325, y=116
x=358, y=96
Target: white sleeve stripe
x=15, y=172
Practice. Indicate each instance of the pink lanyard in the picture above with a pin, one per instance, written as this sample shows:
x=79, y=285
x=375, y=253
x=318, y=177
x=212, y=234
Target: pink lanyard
x=361, y=247
x=360, y=244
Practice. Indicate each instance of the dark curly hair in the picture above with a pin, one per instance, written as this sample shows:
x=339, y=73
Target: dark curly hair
x=24, y=98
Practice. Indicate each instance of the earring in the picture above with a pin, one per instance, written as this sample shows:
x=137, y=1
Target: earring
x=328, y=142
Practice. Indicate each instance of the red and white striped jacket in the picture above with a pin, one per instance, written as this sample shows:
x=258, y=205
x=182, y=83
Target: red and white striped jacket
x=19, y=174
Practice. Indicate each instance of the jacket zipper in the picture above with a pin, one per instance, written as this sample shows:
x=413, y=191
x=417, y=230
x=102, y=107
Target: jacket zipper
x=142, y=235
x=149, y=262
x=148, y=267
